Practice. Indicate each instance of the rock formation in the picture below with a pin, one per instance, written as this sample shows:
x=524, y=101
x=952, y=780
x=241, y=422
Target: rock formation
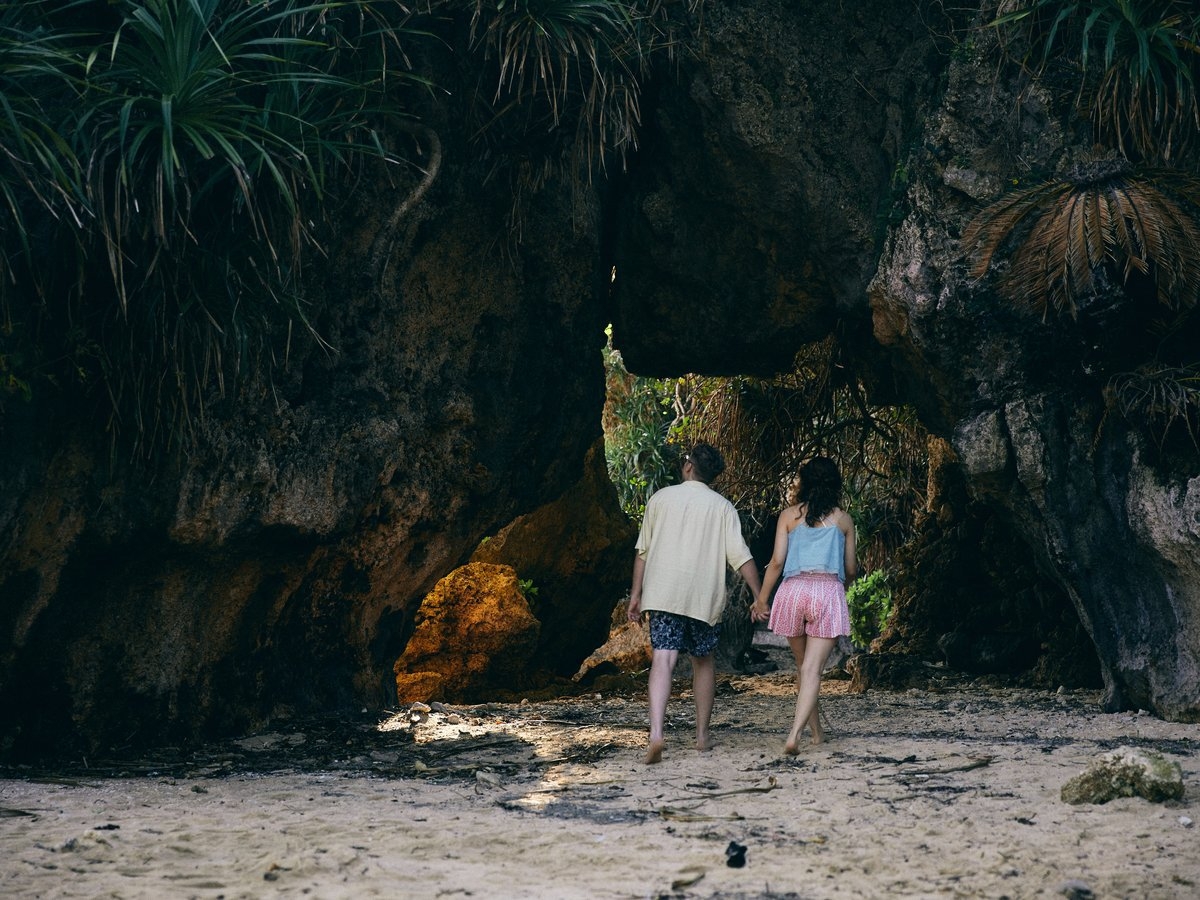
x=275, y=568
x=815, y=158
x=474, y=634
x=810, y=168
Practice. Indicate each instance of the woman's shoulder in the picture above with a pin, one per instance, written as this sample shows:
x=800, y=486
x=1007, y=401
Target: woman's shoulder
x=842, y=518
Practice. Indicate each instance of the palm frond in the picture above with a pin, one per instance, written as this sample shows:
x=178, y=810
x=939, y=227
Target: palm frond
x=1101, y=218
x=566, y=89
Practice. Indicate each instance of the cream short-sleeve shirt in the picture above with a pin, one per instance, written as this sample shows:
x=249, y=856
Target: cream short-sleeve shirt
x=690, y=533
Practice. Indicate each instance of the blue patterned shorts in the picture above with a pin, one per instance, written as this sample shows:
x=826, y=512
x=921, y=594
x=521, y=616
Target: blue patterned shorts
x=670, y=631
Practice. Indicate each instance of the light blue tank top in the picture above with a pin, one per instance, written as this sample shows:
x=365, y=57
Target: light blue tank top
x=815, y=550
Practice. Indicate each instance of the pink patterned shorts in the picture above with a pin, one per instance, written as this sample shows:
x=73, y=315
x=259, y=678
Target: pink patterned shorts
x=812, y=604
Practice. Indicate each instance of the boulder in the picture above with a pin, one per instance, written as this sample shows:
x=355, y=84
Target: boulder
x=1126, y=772
x=894, y=671
x=577, y=551
x=626, y=650
x=474, y=632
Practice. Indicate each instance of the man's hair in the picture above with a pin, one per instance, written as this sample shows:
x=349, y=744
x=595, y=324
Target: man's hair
x=708, y=462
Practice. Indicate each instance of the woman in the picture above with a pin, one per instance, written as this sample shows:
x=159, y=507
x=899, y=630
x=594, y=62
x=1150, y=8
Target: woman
x=814, y=551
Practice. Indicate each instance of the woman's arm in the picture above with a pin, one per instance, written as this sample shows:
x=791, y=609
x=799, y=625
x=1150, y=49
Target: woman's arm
x=851, y=555
x=760, y=611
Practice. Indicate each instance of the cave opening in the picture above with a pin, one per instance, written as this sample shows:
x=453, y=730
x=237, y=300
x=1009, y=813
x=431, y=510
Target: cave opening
x=944, y=579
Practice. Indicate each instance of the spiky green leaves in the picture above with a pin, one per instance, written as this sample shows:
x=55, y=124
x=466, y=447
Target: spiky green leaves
x=567, y=91
x=1139, y=62
x=172, y=157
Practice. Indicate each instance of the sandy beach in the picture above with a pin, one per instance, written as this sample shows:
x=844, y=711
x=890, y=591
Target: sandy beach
x=950, y=791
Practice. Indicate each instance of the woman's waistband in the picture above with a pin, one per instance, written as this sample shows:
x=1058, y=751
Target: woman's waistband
x=816, y=576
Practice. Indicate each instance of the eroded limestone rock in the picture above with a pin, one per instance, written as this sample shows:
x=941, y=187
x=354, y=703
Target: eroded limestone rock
x=626, y=650
x=1126, y=772
x=474, y=632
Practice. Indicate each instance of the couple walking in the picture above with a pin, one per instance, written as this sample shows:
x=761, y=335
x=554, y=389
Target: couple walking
x=689, y=534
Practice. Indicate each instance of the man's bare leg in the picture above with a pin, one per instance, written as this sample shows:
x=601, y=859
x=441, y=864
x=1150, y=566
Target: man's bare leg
x=704, y=689
x=662, y=667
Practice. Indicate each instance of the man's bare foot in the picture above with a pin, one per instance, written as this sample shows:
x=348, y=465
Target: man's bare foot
x=818, y=735
x=654, y=752
x=705, y=744
x=792, y=747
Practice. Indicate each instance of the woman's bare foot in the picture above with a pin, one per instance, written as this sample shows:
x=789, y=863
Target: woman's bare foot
x=705, y=744
x=792, y=747
x=818, y=735
x=654, y=752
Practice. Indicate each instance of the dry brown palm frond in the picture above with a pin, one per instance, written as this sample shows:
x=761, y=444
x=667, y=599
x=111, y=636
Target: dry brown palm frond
x=1163, y=395
x=1098, y=219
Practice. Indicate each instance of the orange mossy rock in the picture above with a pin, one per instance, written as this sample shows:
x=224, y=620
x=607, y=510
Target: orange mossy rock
x=578, y=551
x=474, y=631
x=626, y=650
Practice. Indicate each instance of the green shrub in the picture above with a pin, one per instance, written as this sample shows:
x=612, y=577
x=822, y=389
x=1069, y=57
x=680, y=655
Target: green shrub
x=638, y=430
x=870, y=600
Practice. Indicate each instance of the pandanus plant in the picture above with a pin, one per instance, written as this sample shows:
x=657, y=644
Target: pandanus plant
x=171, y=157
x=165, y=164
x=1138, y=62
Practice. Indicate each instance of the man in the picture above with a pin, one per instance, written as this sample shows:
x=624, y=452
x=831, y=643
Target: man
x=689, y=534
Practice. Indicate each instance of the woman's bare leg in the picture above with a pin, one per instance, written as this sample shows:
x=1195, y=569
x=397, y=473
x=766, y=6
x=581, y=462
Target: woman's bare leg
x=798, y=645
x=810, y=654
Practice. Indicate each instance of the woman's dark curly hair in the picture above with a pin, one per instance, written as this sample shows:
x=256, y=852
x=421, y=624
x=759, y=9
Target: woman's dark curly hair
x=820, y=488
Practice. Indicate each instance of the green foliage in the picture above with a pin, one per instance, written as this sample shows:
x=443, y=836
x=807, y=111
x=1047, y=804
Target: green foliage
x=166, y=164
x=766, y=428
x=870, y=601
x=527, y=588
x=166, y=167
x=1139, y=62
x=567, y=76
x=1103, y=217
x=638, y=430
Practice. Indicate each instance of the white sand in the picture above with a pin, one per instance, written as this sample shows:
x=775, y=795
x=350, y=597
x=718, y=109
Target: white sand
x=949, y=793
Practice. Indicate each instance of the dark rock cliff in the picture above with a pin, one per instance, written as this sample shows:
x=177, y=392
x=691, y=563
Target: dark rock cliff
x=809, y=170
x=275, y=567
x=818, y=165
x=1105, y=503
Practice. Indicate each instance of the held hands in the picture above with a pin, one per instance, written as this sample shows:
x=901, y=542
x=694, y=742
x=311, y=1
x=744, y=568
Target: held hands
x=759, y=611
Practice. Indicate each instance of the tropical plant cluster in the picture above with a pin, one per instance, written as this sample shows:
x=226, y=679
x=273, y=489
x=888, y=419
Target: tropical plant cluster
x=163, y=166
x=1125, y=223
x=642, y=432
x=168, y=168
x=564, y=100
x=870, y=602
